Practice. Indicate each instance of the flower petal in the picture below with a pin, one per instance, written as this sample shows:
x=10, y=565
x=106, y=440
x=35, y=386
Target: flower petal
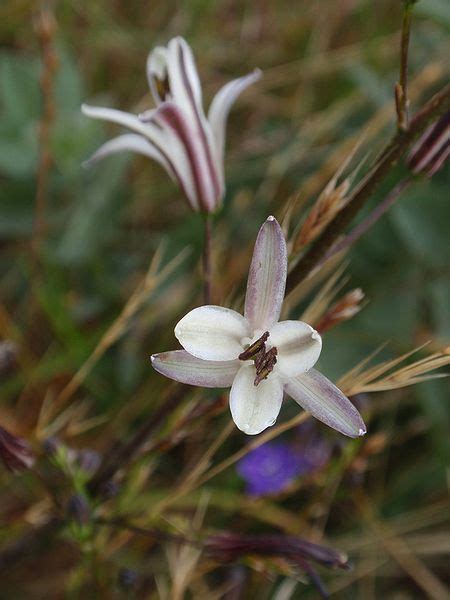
x=117, y=116
x=212, y=333
x=186, y=93
x=254, y=408
x=183, y=367
x=298, y=345
x=221, y=105
x=267, y=276
x=165, y=142
x=316, y=394
x=172, y=118
x=131, y=142
x=184, y=82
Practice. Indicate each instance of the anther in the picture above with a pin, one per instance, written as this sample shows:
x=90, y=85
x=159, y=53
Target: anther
x=264, y=365
x=253, y=350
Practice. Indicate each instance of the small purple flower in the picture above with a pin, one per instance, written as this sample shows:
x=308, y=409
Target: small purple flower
x=271, y=468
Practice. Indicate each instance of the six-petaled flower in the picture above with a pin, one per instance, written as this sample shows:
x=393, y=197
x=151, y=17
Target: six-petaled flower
x=257, y=355
x=177, y=134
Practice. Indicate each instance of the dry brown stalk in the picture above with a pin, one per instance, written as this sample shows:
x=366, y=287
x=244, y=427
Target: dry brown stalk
x=345, y=308
x=378, y=378
x=403, y=554
x=328, y=204
x=147, y=285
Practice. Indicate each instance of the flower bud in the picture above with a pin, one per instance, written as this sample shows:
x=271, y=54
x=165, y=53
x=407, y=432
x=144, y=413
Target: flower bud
x=431, y=151
x=15, y=452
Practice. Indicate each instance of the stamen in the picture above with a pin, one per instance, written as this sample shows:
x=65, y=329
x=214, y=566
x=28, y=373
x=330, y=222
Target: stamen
x=265, y=364
x=264, y=360
x=163, y=87
x=255, y=348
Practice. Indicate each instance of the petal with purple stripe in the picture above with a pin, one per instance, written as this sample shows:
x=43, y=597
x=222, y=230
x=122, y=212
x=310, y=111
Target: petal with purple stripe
x=267, y=277
x=316, y=394
x=185, y=368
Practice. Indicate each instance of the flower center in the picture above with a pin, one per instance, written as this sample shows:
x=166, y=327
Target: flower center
x=162, y=86
x=264, y=360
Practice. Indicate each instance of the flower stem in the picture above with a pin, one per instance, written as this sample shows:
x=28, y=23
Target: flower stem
x=370, y=220
x=207, y=259
x=401, y=88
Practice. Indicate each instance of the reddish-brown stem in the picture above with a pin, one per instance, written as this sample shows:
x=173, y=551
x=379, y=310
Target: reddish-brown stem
x=400, y=144
x=370, y=220
x=401, y=89
x=207, y=260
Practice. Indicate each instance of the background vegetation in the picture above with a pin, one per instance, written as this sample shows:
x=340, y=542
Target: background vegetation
x=329, y=71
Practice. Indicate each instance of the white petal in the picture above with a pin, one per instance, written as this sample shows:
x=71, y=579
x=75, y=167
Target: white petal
x=213, y=333
x=186, y=93
x=131, y=142
x=254, y=408
x=267, y=277
x=221, y=105
x=117, y=116
x=316, y=394
x=164, y=141
x=298, y=345
x=183, y=367
x=184, y=81
x=205, y=180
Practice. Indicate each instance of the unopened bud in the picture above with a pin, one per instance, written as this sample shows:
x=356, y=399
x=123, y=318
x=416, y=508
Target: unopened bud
x=432, y=150
x=15, y=452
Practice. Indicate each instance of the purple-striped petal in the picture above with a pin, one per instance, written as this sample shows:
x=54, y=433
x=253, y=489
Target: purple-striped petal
x=298, y=346
x=267, y=277
x=186, y=93
x=203, y=175
x=131, y=142
x=212, y=333
x=165, y=142
x=185, y=368
x=221, y=105
x=254, y=408
x=316, y=394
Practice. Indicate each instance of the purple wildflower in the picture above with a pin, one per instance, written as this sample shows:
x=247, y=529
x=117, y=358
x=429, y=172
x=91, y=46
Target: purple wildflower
x=271, y=468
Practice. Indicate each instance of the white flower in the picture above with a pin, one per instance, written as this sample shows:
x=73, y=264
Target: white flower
x=255, y=354
x=177, y=133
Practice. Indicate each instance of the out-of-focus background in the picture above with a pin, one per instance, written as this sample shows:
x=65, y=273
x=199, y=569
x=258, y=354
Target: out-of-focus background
x=329, y=69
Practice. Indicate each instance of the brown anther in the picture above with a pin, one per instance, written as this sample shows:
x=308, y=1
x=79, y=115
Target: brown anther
x=264, y=365
x=253, y=350
x=264, y=360
x=163, y=87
